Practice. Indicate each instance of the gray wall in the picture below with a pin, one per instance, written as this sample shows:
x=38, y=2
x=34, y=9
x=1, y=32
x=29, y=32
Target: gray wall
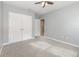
x=63, y=24
x=9, y=8
x=0, y=22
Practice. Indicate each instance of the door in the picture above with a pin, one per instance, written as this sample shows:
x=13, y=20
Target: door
x=42, y=27
x=20, y=27
x=36, y=27
x=26, y=27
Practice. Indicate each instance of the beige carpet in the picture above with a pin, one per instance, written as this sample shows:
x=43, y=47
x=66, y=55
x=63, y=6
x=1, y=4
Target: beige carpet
x=39, y=48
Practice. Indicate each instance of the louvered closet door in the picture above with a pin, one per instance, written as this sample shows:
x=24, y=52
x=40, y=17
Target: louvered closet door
x=20, y=27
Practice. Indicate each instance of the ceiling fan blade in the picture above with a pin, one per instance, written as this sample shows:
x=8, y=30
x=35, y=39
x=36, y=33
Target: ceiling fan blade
x=48, y=2
x=38, y=2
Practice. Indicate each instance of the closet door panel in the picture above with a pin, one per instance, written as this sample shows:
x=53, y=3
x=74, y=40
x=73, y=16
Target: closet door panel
x=14, y=27
x=27, y=27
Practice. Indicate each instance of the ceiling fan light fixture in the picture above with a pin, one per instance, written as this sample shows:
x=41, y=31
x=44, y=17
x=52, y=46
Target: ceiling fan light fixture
x=42, y=4
x=46, y=4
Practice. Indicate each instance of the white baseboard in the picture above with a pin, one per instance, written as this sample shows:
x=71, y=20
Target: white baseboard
x=15, y=42
x=62, y=41
x=47, y=38
x=1, y=50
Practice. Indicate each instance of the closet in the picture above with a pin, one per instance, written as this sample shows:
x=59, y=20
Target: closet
x=20, y=27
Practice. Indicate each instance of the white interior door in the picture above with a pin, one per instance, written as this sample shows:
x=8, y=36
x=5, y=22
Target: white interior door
x=20, y=27
x=37, y=27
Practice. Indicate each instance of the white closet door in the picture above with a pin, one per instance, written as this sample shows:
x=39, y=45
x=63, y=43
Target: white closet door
x=27, y=27
x=14, y=27
x=20, y=27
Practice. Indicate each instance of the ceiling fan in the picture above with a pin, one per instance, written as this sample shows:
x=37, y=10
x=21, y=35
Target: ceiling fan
x=44, y=3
